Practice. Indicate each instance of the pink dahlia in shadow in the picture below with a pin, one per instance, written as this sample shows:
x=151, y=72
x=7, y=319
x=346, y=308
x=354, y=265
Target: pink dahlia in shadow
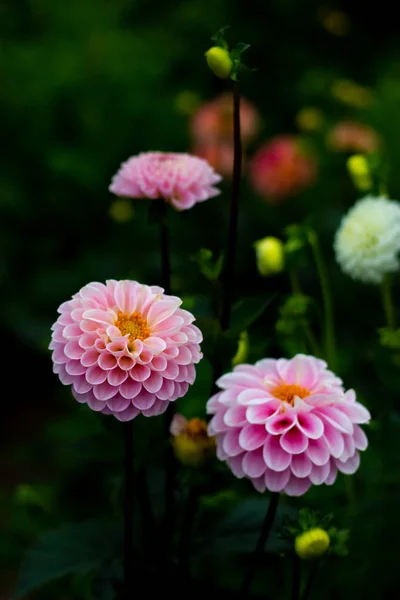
x=287, y=424
x=125, y=348
x=281, y=168
x=180, y=179
x=350, y=136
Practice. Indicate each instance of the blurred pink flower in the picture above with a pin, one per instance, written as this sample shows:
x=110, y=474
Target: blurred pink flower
x=181, y=179
x=213, y=121
x=125, y=348
x=219, y=154
x=287, y=424
x=281, y=168
x=350, y=136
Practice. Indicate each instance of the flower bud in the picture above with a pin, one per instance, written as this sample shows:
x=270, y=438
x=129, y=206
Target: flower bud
x=270, y=256
x=190, y=441
x=312, y=543
x=219, y=61
x=359, y=171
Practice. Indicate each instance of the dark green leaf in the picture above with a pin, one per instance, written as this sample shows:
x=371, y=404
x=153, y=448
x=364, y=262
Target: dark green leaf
x=73, y=548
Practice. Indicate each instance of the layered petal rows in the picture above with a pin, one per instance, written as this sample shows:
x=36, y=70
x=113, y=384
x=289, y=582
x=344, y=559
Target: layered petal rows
x=125, y=348
x=287, y=424
x=181, y=179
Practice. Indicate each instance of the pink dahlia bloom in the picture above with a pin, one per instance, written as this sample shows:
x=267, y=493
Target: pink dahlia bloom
x=213, y=121
x=219, y=154
x=181, y=179
x=281, y=168
x=287, y=424
x=125, y=348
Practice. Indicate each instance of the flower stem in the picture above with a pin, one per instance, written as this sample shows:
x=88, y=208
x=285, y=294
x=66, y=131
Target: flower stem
x=128, y=510
x=310, y=581
x=259, y=549
x=329, y=331
x=229, y=267
x=169, y=459
x=296, y=577
x=387, y=301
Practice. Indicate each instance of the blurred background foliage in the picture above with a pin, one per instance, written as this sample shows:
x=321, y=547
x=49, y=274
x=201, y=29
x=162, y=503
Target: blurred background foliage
x=87, y=84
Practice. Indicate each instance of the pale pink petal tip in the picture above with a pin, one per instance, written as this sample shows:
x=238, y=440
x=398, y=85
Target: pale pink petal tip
x=287, y=424
x=125, y=348
x=180, y=179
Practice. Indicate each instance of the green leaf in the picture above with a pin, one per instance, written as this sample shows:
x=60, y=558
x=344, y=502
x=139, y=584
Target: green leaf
x=239, y=530
x=73, y=548
x=219, y=37
x=247, y=311
x=209, y=266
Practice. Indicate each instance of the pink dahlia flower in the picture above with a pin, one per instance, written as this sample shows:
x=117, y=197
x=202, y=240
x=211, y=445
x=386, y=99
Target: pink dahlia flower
x=281, y=168
x=287, y=424
x=350, y=136
x=213, y=121
x=181, y=179
x=125, y=348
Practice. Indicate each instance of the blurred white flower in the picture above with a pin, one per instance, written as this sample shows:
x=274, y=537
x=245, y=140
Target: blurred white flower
x=368, y=239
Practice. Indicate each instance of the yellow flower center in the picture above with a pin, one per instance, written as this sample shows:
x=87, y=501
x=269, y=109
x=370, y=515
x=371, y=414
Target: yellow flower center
x=288, y=391
x=134, y=325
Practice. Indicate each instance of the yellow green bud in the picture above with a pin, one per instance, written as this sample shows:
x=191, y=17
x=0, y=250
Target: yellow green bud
x=359, y=171
x=121, y=210
x=242, y=350
x=309, y=119
x=270, y=256
x=219, y=61
x=312, y=544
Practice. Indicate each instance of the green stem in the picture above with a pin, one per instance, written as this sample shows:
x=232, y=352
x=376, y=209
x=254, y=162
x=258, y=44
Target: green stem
x=329, y=331
x=311, y=579
x=387, y=301
x=311, y=340
x=260, y=546
x=229, y=267
x=296, y=577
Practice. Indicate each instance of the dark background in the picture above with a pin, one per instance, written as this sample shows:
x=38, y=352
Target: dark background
x=85, y=84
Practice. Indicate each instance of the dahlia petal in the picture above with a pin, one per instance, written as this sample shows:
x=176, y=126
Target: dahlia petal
x=73, y=350
x=355, y=411
x=300, y=370
x=166, y=390
x=281, y=422
x=144, y=400
x=59, y=356
x=301, y=465
x=153, y=383
x=130, y=388
x=106, y=361
x=168, y=326
x=332, y=475
x=294, y=441
x=95, y=375
x=118, y=403
x=297, y=486
x=251, y=396
x=72, y=331
x=236, y=465
x=184, y=357
x=65, y=377
x=74, y=367
x=259, y=413
x=128, y=414
x=90, y=357
x=116, y=376
x=104, y=391
x=140, y=372
x=320, y=473
x=158, y=363
x=159, y=407
x=161, y=310
x=94, y=403
x=360, y=439
x=80, y=384
x=275, y=456
x=276, y=481
x=350, y=466
x=125, y=294
x=228, y=397
x=104, y=317
x=252, y=437
x=221, y=454
x=171, y=371
x=235, y=416
x=238, y=379
x=318, y=451
x=87, y=340
x=231, y=444
x=334, y=439
x=217, y=423
x=155, y=344
x=126, y=363
x=336, y=418
x=259, y=483
x=254, y=464
x=310, y=424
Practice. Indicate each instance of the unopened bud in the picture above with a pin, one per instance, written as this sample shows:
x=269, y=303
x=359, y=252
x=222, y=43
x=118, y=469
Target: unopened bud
x=219, y=61
x=270, y=256
x=359, y=171
x=312, y=543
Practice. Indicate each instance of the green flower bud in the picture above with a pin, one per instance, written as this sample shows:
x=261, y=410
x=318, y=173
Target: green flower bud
x=270, y=256
x=219, y=61
x=312, y=543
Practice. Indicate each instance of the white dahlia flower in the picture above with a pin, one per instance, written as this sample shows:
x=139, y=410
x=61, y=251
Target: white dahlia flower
x=368, y=240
